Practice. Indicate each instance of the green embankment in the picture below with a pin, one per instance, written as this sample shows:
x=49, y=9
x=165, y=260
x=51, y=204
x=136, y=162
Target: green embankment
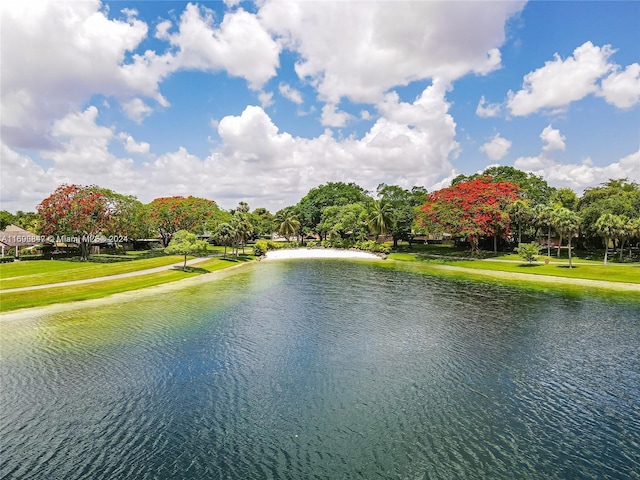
x=50, y=296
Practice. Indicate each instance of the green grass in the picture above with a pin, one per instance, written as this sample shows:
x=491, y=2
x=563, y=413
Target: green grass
x=50, y=296
x=629, y=273
x=42, y=272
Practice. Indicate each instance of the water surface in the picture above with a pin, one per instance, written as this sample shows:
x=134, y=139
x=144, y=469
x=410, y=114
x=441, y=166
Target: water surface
x=329, y=370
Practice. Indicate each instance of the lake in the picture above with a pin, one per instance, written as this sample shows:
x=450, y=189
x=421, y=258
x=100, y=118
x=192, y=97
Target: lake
x=325, y=369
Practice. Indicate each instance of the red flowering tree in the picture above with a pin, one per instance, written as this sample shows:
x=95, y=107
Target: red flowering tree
x=82, y=213
x=471, y=209
x=170, y=214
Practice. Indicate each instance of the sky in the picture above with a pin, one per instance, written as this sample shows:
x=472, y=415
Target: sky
x=260, y=102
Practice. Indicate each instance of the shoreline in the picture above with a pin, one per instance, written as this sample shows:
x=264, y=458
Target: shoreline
x=121, y=297
x=328, y=253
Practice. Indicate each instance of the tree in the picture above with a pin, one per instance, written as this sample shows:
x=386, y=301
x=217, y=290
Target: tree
x=6, y=219
x=618, y=197
x=542, y=218
x=310, y=207
x=565, y=197
x=380, y=217
x=224, y=234
x=186, y=243
x=472, y=209
x=566, y=223
x=262, y=221
x=528, y=251
x=82, y=213
x=170, y=214
x=520, y=213
x=241, y=223
x=347, y=221
x=531, y=187
x=608, y=226
x=403, y=204
x=287, y=223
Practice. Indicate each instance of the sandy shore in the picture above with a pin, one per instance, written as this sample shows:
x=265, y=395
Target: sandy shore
x=290, y=253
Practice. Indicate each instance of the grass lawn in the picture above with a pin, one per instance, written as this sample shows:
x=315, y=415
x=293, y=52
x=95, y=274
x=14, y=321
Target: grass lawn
x=42, y=272
x=49, y=296
x=590, y=270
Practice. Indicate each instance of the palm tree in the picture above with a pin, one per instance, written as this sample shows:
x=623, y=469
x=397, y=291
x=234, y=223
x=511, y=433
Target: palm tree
x=380, y=218
x=241, y=222
x=607, y=227
x=542, y=218
x=566, y=223
x=287, y=224
x=224, y=234
x=521, y=213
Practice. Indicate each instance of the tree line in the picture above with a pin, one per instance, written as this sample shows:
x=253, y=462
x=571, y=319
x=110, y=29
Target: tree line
x=501, y=206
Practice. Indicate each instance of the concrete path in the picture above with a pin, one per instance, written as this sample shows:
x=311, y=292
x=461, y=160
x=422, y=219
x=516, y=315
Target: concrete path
x=105, y=278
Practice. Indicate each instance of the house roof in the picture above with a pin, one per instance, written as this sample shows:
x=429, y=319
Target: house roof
x=14, y=236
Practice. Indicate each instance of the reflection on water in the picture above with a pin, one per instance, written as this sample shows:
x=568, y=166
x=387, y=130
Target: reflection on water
x=324, y=369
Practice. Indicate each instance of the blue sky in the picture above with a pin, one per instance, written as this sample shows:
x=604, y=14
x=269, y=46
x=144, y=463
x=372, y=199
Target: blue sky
x=261, y=102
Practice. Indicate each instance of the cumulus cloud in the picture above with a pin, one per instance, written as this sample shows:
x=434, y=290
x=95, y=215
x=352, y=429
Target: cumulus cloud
x=136, y=110
x=552, y=138
x=486, y=109
x=332, y=117
x=254, y=160
x=94, y=54
x=575, y=175
x=497, y=148
x=359, y=53
x=560, y=82
x=82, y=59
x=622, y=87
x=240, y=46
x=266, y=99
x=131, y=146
x=290, y=93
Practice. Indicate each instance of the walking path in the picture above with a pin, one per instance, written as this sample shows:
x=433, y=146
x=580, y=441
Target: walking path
x=105, y=278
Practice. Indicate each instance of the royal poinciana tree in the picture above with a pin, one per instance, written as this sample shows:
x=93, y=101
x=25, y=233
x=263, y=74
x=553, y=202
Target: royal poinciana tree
x=170, y=214
x=471, y=210
x=83, y=213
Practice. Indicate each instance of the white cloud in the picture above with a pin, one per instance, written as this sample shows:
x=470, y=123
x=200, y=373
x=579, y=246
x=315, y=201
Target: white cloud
x=497, y=148
x=266, y=99
x=553, y=139
x=573, y=175
x=561, y=82
x=331, y=117
x=622, y=88
x=365, y=114
x=350, y=51
x=290, y=93
x=81, y=59
x=485, y=109
x=136, y=110
x=240, y=46
x=131, y=146
x=254, y=160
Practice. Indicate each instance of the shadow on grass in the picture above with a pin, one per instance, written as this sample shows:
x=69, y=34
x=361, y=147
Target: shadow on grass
x=567, y=266
x=191, y=270
x=530, y=265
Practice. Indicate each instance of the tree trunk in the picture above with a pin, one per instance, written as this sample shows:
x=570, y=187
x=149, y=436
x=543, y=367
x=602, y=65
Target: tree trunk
x=495, y=244
x=395, y=242
x=519, y=234
x=559, y=245
x=621, y=248
x=549, y=242
x=606, y=250
x=184, y=267
x=84, y=250
x=569, y=245
x=225, y=251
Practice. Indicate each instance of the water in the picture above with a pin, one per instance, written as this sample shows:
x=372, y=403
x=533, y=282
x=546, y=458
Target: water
x=325, y=370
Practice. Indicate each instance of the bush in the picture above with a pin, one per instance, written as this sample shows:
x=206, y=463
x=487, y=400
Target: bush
x=33, y=257
x=528, y=251
x=6, y=259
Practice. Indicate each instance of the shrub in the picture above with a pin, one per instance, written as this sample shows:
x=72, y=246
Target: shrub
x=528, y=251
x=6, y=259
